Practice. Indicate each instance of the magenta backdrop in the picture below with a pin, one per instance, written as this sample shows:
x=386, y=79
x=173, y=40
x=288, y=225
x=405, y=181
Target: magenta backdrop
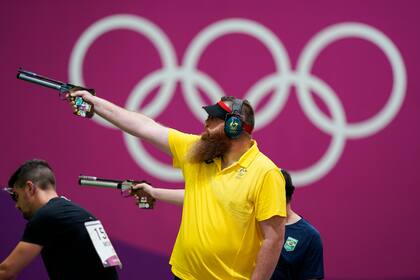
x=357, y=170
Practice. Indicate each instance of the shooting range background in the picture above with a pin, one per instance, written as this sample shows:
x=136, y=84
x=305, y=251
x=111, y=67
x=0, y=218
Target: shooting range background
x=366, y=206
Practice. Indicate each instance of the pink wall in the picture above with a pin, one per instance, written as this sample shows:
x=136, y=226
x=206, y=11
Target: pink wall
x=352, y=145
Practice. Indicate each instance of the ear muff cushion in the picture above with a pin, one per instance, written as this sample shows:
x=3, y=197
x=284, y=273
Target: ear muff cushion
x=233, y=126
x=233, y=121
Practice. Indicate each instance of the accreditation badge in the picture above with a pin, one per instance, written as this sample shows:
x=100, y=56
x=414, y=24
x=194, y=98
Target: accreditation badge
x=102, y=244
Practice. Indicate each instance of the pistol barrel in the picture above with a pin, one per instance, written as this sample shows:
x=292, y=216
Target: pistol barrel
x=97, y=182
x=39, y=81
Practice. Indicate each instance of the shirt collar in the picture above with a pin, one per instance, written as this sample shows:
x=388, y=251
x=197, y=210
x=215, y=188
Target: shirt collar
x=245, y=160
x=249, y=155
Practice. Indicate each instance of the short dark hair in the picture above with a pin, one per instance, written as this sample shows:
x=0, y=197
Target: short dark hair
x=247, y=112
x=289, y=185
x=36, y=170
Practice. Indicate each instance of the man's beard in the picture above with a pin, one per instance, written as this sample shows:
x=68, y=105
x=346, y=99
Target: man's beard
x=210, y=146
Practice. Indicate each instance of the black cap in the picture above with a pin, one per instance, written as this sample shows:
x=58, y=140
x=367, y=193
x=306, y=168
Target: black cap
x=216, y=110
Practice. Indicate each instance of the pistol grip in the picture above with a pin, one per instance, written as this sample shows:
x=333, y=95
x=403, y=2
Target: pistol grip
x=146, y=200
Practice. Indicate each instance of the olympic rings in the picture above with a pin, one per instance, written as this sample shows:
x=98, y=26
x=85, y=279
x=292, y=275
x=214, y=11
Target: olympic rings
x=190, y=78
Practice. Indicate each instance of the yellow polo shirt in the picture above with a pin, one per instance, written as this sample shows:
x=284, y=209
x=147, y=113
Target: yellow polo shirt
x=219, y=236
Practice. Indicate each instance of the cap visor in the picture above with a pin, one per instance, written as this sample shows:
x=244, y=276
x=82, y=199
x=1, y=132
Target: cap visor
x=215, y=111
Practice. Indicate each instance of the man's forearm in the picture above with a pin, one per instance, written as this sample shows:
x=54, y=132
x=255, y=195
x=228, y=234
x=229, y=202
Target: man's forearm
x=172, y=196
x=134, y=123
x=5, y=272
x=19, y=258
x=267, y=259
x=120, y=117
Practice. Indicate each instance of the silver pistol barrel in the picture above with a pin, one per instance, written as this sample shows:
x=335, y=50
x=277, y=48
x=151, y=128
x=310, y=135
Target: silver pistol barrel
x=95, y=182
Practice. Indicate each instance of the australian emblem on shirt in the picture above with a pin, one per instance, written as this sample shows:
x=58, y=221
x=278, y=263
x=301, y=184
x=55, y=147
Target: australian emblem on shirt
x=241, y=172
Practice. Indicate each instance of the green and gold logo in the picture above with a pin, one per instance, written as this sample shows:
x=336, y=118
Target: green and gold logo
x=290, y=244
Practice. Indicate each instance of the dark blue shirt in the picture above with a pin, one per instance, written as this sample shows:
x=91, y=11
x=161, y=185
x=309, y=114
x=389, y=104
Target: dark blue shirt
x=302, y=254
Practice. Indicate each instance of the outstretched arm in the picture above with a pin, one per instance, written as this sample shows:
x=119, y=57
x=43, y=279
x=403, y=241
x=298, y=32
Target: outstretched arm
x=18, y=259
x=131, y=122
x=172, y=196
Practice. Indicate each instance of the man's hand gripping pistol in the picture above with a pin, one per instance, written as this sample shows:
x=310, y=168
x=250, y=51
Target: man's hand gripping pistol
x=146, y=201
x=81, y=107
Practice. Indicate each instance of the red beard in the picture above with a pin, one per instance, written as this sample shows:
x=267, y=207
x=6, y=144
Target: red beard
x=210, y=146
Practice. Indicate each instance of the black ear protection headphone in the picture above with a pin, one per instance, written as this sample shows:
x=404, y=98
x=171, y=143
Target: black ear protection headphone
x=233, y=120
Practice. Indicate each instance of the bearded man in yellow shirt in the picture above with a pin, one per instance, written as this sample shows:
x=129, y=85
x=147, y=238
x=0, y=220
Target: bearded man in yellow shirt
x=234, y=207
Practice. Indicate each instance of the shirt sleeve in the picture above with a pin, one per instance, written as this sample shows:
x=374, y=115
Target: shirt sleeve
x=271, y=198
x=313, y=262
x=179, y=143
